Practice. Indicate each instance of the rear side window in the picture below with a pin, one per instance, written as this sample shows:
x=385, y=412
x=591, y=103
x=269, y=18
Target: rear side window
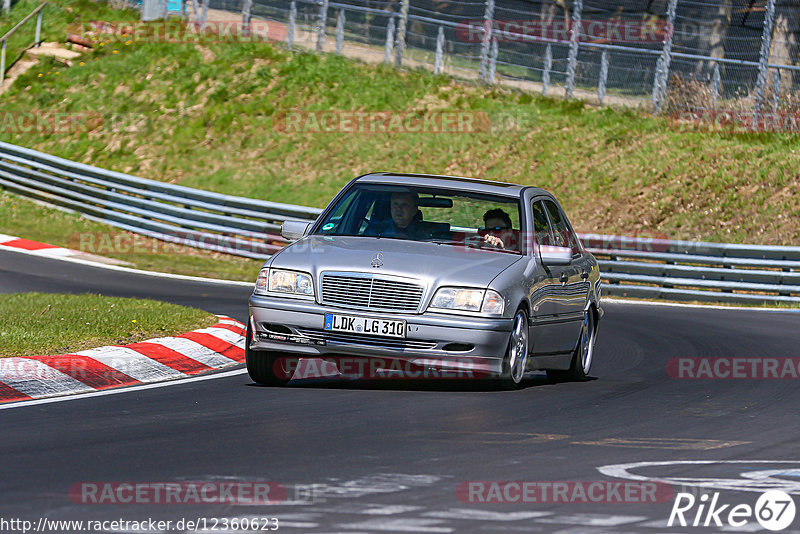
x=563, y=234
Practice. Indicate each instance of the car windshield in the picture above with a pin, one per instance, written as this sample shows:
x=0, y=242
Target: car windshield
x=426, y=214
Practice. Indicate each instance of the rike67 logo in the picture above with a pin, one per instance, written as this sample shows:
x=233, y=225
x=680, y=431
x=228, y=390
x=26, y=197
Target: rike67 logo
x=774, y=510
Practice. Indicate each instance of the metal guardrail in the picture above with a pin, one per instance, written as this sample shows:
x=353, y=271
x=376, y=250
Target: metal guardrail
x=173, y=213
x=630, y=267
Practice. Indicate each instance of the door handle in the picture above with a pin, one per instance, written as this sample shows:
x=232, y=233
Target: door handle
x=564, y=278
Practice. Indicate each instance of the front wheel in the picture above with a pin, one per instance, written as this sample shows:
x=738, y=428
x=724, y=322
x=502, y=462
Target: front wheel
x=582, y=357
x=516, y=359
x=266, y=367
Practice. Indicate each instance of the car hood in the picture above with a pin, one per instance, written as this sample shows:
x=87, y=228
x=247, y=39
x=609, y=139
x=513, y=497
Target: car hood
x=431, y=264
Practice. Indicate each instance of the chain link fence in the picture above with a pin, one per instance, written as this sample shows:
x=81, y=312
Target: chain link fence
x=734, y=59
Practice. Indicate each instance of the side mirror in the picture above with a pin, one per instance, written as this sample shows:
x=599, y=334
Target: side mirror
x=555, y=255
x=294, y=230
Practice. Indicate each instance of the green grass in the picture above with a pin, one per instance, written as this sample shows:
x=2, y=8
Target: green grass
x=209, y=116
x=45, y=324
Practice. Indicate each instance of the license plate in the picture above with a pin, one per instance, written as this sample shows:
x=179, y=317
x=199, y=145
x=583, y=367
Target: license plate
x=364, y=325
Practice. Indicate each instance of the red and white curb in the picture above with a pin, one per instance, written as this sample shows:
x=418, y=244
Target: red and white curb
x=35, y=247
x=154, y=360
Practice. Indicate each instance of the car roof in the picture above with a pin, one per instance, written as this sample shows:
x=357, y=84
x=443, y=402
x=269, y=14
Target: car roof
x=453, y=182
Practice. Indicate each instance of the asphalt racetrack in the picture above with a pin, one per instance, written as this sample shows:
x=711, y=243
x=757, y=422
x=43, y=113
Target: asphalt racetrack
x=414, y=456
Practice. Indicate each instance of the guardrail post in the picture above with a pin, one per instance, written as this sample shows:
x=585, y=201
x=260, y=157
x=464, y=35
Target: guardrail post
x=574, y=43
x=246, y=17
x=292, y=25
x=340, y=31
x=486, y=39
x=439, y=59
x=601, y=86
x=660, y=90
x=715, y=80
x=387, y=52
x=400, y=49
x=323, y=19
x=548, y=65
x=763, y=61
x=493, y=62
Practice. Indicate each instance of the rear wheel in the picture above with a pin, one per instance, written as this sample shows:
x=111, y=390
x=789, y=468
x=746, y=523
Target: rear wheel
x=516, y=359
x=582, y=357
x=266, y=367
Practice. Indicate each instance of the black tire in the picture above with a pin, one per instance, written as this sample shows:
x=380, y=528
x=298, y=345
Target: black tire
x=266, y=367
x=579, y=366
x=518, y=344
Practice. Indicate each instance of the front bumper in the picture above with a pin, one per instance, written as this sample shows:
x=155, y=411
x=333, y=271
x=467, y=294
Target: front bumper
x=432, y=340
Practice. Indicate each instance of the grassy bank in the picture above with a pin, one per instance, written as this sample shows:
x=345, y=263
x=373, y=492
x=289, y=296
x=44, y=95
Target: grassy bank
x=214, y=116
x=44, y=324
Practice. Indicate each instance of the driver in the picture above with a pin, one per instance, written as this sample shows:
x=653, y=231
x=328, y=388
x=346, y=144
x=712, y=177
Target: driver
x=406, y=219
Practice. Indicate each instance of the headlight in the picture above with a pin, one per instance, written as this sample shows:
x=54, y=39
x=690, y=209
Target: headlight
x=470, y=300
x=280, y=281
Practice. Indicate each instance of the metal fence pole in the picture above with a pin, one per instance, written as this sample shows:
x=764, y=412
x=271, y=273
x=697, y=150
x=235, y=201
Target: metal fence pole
x=205, y=11
x=439, y=59
x=766, y=45
x=37, y=38
x=548, y=65
x=246, y=17
x=400, y=49
x=7, y=6
x=292, y=25
x=183, y=9
x=493, y=62
x=387, y=53
x=323, y=19
x=657, y=81
x=574, y=39
x=715, y=80
x=3, y=62
x=601, y=86
x=340, y=31
x=776, y=89
x=486, y=39
x=660, y=91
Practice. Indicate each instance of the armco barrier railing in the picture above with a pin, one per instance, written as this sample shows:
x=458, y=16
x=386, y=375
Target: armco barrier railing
x=172, y=213
x=632, y=267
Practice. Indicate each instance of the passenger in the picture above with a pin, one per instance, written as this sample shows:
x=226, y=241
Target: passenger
x=499, y=233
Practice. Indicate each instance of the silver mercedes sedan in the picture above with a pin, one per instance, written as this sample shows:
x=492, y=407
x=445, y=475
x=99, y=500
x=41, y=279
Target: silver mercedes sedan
x=428, y=276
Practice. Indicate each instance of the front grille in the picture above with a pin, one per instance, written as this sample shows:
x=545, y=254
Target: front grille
x=355, y=339
x=370, y=293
